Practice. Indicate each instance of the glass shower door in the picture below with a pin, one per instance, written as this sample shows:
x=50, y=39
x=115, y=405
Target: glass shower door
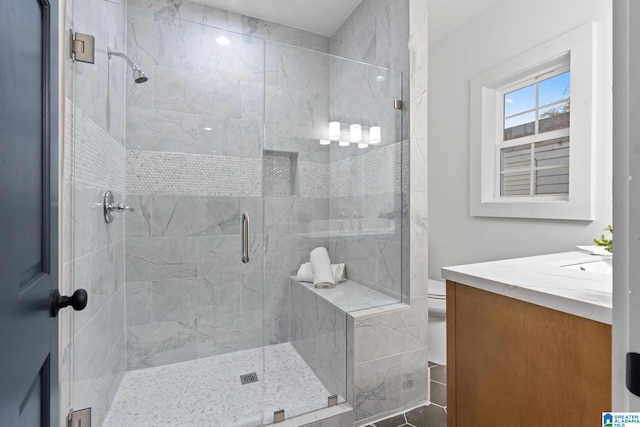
x=194, y=157
x=94, y=250
x=173, y=333
x=343, y=195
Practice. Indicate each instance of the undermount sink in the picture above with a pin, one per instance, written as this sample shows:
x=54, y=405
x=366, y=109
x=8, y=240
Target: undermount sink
x=604, y=266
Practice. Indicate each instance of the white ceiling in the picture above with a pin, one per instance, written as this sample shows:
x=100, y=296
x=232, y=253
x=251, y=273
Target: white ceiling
x=326, y=16
x=318, y=16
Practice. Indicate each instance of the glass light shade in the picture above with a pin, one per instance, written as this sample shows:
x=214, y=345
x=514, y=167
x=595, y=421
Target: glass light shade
x=374, y=135
x=334, y=131
x=355, y=133
x=362, y=145
x=344, y=143
x=325, y=142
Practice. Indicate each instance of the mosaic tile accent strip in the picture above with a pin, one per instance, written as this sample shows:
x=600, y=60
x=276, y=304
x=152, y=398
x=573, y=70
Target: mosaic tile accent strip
x=183, y=174
x=373, y=172
x=314, y=180
x=98, y=159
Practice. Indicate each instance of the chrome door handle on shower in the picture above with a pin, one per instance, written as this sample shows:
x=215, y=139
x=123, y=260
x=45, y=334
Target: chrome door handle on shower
x=245, y=237
x=109, y=206
x=120, y=208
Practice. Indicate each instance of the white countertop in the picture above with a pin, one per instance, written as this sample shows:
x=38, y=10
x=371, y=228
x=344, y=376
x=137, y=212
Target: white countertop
x=543, y=280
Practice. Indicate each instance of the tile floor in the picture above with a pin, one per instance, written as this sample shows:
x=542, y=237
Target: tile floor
x=434, y=415
x=166, y=395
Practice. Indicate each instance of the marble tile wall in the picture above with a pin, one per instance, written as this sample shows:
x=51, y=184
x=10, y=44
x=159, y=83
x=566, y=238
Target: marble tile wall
x=389, y=360
x=366, y=184
x=387, y=357
x=372, y=171
x=318, y=333
x=367, y=220
x=376, y=33
x=93, y=341
x=188, y=293
x=195, y=163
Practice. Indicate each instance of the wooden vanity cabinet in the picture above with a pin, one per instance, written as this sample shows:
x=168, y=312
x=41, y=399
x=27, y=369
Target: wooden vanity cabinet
x=519, y=364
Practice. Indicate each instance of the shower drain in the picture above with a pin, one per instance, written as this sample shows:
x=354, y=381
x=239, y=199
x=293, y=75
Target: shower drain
x=248, y=378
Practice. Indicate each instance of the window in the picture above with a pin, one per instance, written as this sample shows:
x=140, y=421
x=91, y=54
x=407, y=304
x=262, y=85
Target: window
x=531, y=131
x=534, y=142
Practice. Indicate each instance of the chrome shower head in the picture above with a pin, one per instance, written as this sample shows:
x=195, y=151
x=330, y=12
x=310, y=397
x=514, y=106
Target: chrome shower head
x=138, y=73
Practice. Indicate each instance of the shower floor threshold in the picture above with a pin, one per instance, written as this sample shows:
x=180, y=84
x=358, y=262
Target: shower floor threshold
x=208, y=391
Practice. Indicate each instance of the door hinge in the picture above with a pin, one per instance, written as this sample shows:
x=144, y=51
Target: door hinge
x=79, y=418
x=278, y=416
x=83, y=47
x=332, y=400
x=397, y=104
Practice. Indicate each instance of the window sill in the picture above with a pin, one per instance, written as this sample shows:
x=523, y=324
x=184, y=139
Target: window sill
x=547, y=208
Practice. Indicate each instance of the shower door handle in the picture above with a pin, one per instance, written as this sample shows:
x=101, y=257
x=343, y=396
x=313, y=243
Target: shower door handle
x=245, y=237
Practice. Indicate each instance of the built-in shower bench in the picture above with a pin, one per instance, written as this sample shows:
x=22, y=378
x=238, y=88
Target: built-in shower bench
x=349, y=296
x=323, y=325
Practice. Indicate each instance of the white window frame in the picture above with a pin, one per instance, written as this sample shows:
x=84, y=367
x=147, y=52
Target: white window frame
x=486, y=127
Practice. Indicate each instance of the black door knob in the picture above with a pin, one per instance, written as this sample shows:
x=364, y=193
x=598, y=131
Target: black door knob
x=78, y=301
x=633, y=373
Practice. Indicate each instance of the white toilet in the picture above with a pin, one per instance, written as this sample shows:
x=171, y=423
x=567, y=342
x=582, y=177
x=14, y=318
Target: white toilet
x=437, y=322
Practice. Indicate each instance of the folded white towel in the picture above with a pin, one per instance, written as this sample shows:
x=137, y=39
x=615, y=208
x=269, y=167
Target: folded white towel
x=339, y=272
x=321, y=266
x=305, y=273
x=593, y=250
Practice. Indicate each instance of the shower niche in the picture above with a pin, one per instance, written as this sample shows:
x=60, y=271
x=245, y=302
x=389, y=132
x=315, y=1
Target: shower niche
x=280, y=173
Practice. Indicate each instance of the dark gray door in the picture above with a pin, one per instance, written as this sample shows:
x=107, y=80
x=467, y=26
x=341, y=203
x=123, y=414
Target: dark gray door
x=28, y=212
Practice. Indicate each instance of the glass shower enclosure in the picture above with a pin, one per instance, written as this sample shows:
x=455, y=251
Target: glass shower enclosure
x=229, y=177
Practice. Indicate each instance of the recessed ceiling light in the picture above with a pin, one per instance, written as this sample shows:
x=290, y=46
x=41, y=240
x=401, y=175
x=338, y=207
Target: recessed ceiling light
x=379, y=78
x=207, y=129
x=223, y=41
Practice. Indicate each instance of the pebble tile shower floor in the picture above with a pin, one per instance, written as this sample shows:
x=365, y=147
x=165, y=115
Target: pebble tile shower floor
x=208, y=392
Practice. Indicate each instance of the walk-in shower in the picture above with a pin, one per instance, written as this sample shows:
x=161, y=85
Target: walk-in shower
x=179, y=329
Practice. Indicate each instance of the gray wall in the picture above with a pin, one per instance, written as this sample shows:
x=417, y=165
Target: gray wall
x=93, y=341
x=455, y=237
